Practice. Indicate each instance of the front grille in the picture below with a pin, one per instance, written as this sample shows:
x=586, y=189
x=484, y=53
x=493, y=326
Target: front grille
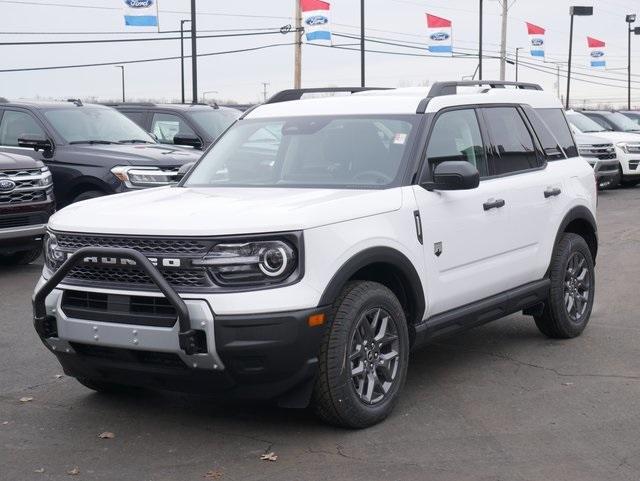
x=187, y=247
x=137, y=277
x=19, y=172
x=599, y=151
x=22, y=220
x=160, y=359
x=22, y=197
x=120, y=309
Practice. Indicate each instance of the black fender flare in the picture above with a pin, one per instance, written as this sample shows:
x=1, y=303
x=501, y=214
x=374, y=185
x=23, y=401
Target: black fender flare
x=379, y=255
x=582, y=213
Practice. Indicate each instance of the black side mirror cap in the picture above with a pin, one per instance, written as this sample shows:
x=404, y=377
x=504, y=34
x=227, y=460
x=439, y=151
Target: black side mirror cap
x=454, y=175
x=189, y=140
x=35, y=142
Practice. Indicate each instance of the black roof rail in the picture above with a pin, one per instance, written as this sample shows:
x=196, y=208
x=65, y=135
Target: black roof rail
x=439, y=89
x=132, y=104
x=296, y=94
x=76, y=102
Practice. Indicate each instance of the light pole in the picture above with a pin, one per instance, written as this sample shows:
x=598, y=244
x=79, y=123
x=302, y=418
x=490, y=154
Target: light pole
x=194, y=54
x=122, y=68
x=362, y=79
x=631, y=18
x=517, y=58
x=573, y=11
x=182, y=22
x=480, y=45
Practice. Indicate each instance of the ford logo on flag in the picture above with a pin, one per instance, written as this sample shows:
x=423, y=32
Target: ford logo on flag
x=316, y=20
x=537, y=42
x=439, y=36
x=7, y=185
x=597, y=53
x=139, y=3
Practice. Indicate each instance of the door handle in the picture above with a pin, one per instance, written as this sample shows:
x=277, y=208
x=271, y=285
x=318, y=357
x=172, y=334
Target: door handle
x=552, y=192
x=493, y=204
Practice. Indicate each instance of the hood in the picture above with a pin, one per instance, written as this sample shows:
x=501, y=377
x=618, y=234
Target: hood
x=138, y=154
x=619, y=136
x=179, y=211
x=588, y=139
x=13, y=161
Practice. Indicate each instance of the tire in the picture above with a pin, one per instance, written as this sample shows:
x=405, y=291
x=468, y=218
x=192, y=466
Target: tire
x=104, y=387
x=89, y=194
x=340, y=398
x=21, y=258
x=568, y=308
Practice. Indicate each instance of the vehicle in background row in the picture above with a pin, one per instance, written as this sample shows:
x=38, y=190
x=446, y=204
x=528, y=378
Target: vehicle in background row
x=627, y=145
x=319, y=240
x=614, y=121
x=91, y=150
x=26, y=202
x=193, y=125
x=601, y=155
x=634, y=115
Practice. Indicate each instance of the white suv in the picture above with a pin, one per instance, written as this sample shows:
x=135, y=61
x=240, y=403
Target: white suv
x=320, y=240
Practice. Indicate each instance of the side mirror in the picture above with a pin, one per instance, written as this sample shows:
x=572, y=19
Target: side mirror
x=454, y=175
x=153, y=136
x=184, y=170
x=187, y=139
x=35, y=142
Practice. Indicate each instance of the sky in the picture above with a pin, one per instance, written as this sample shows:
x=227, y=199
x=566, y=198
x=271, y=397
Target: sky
x=240, y=76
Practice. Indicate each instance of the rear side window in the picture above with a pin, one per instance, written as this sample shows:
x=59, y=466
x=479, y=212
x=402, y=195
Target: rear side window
x=17, y=124
x=166, y=126
x=137, y=117
x=513, y=149
x=559, y=127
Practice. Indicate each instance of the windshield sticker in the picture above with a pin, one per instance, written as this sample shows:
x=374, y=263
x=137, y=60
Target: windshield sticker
x=400, y=139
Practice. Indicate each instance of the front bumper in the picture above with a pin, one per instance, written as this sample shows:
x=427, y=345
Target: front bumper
x=253, y=356
x=22, y=232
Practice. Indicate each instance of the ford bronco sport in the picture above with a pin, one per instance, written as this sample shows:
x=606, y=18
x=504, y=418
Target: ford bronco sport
x=320, y=240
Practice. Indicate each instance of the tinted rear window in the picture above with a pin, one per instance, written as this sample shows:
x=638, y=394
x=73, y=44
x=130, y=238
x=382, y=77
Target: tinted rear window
x=557, y=124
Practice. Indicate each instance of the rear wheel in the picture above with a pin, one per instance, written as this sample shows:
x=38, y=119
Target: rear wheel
x=364, y=357
x=568, y=307
x=21, y=258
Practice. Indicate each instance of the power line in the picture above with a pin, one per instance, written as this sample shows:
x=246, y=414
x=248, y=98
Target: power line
x=143, y=33
x=147, y=60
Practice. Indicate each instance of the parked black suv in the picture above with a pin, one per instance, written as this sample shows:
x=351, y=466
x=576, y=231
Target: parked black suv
x=26, y=202
x=194, y=125
x=91, y=150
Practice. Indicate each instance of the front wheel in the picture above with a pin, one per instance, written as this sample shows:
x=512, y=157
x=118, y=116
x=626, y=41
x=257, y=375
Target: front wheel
x=570, y=301
x=364, y=356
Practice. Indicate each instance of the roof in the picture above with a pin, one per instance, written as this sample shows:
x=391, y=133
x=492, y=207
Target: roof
x=405, y=101
x=168, y=106
x=47, y=104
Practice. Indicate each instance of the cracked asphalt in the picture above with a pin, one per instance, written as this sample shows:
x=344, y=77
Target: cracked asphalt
x=500, y=402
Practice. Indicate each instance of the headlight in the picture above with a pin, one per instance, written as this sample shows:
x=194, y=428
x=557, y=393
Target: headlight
x=137, y=177
x=53, y=256
x=46, y=179
x=250, y=263
x=629, y=148
x=624, y=146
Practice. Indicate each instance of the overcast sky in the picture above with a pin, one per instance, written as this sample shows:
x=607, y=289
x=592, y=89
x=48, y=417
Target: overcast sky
x=239, y=76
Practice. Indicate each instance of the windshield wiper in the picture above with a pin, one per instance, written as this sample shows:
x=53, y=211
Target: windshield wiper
x=135, y=141
x=106, y=142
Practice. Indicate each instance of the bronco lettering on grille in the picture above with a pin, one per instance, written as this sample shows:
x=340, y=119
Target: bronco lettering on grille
x=123, y=261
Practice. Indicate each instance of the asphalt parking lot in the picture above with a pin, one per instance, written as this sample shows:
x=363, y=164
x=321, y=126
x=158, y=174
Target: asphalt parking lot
x=497, y=403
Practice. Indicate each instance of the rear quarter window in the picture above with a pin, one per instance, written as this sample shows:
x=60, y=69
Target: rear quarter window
x=558, y=127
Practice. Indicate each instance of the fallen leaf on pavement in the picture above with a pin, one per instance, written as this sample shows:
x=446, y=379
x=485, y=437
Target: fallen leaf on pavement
x=74, y=472
x=213, y=474
x=39, y=470
x=269, y=457
x=5, y=422
x=567, y=384
x=58, y=376
x=26, y=399
x=106, y=435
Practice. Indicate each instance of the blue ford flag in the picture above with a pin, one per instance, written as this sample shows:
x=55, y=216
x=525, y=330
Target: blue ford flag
x=316, y=19
x=440, y=35
x=140, y=13
x=597, y=52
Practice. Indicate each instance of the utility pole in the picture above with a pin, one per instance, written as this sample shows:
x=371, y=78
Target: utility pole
x=194, y=54
x=297, y=62
x=362, y=72
x=631, y=18
x=122, y=68
x=264, y=90
x=480, y=45
x=182, y=22
x=503, y=40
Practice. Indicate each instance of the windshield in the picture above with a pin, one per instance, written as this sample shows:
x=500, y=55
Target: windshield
x=621, y=122
x=95, y=125
x=583, y=123
x=214, y=122
x=336, y=152
x=634, y=116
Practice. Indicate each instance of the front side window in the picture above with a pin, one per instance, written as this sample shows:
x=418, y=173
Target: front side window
x=456, y=136
x=512, y=144
x=618, y=121
x=215, y=121
x=166, y=126
x=87, y=125
x=332, y=152
x=584, y=124
x=15, y=125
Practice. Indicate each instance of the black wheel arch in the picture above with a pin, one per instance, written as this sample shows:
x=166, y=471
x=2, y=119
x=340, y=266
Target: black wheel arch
x=389, y=267
x=579, y=220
